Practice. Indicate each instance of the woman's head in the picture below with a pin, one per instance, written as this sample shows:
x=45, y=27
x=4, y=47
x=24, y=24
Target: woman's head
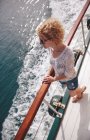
x=52, y=30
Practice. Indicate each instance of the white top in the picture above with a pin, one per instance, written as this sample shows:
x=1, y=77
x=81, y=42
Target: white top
x=64, y=64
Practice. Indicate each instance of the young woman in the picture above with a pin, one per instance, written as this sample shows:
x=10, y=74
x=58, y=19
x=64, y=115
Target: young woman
x=51, y=35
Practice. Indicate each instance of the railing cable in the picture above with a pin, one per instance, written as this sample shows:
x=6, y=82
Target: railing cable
x=83, y=33
x=39, y=126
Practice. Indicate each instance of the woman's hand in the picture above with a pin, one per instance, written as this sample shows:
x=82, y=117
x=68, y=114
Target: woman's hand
x=48, y=79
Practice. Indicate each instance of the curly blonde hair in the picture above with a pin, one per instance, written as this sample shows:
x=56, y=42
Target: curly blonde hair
x=52, y=29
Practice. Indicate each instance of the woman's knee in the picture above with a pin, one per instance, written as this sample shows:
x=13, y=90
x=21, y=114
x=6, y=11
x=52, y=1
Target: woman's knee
x=72, y=93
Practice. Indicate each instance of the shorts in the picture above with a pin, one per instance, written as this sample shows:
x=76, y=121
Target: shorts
x=71, y=84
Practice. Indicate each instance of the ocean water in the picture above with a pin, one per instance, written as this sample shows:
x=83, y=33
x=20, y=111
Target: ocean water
x=18, y=20
x=23, y=62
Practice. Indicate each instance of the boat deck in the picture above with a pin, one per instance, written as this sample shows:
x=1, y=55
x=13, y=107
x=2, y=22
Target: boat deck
x=76, y=122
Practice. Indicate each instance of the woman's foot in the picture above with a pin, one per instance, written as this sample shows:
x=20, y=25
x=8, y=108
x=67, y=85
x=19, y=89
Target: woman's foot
x=78, y=97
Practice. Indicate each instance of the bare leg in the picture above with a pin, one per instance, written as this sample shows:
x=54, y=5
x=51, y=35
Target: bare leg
x=77, y=94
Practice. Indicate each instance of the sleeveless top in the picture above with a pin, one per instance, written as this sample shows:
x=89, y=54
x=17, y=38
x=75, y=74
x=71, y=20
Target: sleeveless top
x=64, y=64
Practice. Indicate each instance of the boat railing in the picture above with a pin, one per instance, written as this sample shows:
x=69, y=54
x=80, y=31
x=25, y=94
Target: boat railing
x=28, y=120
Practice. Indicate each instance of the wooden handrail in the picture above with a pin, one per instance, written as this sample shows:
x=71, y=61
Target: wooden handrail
x=33, y=109
x=44, y=88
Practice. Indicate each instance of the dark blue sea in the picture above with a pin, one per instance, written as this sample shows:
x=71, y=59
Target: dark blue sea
x=18, y=20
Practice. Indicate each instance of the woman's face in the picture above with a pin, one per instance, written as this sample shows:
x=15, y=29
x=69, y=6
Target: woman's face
x=47, y=43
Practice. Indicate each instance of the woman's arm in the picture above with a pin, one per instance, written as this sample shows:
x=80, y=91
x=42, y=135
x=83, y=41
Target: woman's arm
x=49, y=79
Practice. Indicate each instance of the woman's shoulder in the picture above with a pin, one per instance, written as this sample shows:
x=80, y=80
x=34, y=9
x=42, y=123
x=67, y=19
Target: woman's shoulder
x=69, y=51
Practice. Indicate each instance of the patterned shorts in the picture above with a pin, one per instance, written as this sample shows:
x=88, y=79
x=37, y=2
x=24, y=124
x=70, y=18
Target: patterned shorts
x=71, y=84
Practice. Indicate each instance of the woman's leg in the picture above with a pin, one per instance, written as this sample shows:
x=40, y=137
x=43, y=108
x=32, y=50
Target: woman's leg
x=75, y=91
x=77, y=94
